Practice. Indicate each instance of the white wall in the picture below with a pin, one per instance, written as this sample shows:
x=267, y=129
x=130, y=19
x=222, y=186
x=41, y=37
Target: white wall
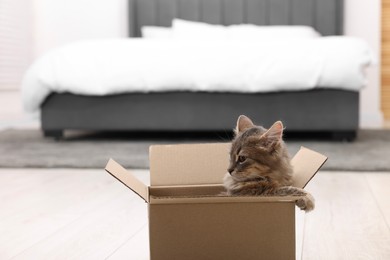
x=15, y=41
x=363, y=19
x=59, y=22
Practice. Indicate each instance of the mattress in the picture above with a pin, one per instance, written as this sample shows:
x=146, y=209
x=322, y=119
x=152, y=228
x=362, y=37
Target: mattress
x=135, y=65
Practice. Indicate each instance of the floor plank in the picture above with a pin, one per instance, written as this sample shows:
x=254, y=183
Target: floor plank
x=36, y=204
x=299, y=232
x=137, y=247
x=379, y=184
x=95, y=235
x=347, y=222
x=87, y=214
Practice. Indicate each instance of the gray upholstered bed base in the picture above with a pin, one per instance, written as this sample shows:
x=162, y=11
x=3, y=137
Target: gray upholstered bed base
x=316, y=110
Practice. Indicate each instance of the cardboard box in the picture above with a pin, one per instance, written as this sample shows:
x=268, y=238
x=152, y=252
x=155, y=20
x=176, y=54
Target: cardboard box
x=189, y=219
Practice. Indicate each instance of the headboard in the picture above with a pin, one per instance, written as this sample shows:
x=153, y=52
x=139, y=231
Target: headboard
x=326, y=16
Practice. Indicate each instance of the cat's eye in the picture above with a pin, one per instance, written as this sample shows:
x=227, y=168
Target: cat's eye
x=241, y=159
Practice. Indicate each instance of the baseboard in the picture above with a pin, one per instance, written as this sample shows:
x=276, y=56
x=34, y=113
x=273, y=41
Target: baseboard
x=371, y=120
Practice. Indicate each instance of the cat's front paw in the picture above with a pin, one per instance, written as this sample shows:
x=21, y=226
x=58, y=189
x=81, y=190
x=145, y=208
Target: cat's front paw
x=224, y=193
x=306, y=203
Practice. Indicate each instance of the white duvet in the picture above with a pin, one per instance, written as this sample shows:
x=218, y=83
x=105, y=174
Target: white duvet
x=140, y=65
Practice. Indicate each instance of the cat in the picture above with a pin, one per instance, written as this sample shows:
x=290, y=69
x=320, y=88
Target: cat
x=260, y=164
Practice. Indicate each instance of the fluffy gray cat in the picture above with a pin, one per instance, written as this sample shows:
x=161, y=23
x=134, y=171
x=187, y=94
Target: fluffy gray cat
x=260, y=164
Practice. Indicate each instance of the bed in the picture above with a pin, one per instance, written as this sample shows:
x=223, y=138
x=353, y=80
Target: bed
x=331, y=110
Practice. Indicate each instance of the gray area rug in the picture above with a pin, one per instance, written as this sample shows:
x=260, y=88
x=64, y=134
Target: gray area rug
x=28, y=148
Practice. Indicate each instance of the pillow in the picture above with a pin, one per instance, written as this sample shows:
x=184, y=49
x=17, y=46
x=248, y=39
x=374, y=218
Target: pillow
x=198, y=30
x=248, y=31
x=156, y=32
x=183, y=29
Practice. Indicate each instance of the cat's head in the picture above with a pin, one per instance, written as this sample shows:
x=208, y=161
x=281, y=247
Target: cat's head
x=259, y=154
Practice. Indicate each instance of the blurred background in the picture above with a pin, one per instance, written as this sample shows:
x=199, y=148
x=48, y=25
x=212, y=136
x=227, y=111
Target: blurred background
x=31, y=28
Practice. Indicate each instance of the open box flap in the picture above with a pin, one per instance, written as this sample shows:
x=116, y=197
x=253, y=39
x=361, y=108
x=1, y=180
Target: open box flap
x=306, y=164
x=128, y=179
x=188, y=164
x=197, y=164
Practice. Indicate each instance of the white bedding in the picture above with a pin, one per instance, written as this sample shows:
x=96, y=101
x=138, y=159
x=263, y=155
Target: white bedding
x=141, y=65
x=183, y=29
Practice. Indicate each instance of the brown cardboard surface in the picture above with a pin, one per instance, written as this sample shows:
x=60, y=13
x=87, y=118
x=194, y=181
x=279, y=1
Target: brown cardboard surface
x=222, y=231
x=221, y=199
x=204, y=169
x=204, y=194
x=306, y=164
x=187, y=190
x=190, y=219
x=188, y=164
x=128, y=179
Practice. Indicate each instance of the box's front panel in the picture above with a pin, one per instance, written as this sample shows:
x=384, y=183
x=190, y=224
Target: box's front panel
x=222, y=231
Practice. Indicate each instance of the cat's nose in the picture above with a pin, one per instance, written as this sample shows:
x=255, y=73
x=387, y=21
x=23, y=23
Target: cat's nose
x=230, y=170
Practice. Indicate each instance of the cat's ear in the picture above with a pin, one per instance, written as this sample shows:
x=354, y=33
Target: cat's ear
x=243, y=123
x=274, y=133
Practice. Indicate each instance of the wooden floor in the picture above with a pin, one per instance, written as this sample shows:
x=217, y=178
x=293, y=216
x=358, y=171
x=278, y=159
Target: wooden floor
x=86, y=214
